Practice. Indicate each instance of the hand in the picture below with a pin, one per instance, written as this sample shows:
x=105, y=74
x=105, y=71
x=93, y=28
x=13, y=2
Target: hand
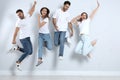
x=14, y=42
x=71, y=34
x=35, y=2
x=98, y=3
x=56, y=27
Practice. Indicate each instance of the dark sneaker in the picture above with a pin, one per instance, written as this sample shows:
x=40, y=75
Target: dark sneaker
x=39, y=62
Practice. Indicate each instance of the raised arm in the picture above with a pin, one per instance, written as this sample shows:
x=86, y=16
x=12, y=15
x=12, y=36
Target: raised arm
x=32, y=9
x=95, y=10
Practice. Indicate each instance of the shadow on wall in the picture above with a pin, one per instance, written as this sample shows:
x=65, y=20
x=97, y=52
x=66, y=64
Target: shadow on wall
x=13, y=67
x=34, y=44
x=3, y=8
x=55, y=49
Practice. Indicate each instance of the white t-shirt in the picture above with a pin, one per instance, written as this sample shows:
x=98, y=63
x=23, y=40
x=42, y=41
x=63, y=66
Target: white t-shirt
x=84, y=26
x=45, y=28
x=23, y=24
x=62, y=19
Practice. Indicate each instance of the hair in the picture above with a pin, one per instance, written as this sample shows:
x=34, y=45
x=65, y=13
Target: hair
x=67, y=2
x=81, y=15
x=19, y=10
x=48, y=11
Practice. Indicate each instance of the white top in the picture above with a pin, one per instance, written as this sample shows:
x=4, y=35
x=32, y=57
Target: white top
x=62, y=19
x=84, y=26
x=45, y=28
x=24, y=26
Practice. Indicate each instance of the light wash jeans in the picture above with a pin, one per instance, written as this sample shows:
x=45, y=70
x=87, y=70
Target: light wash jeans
x=59, y=39
x=84, y=46
x=44, y=40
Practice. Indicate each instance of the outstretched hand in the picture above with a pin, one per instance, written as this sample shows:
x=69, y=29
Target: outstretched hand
x=98, y=3
x=35, y=2
x=95, y=10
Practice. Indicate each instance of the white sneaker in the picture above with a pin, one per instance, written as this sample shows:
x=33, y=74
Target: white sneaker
x=13, y=49
x=61, y=57
x=39, y=62
x=18, y=67
x=69, y=41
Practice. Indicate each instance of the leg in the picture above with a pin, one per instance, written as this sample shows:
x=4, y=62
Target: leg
x=30, y=47
x=48, y=41
x=40, y=51
x=78, y=48
x=87, y=47
x=25, y=44
x=94, y=42
x=62, y=41
x=21, y=49
x=56, y=38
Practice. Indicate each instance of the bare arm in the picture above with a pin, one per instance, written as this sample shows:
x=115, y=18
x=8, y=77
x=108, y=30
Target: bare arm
x=15, y=35
x=74, y=20
x=95, y=10
x=54, y=23
x=71, y=28
x=40, y=24
x=32, y=9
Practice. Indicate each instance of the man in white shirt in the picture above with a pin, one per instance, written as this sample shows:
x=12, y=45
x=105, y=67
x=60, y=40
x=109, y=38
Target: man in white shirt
x=22, y=26
x=61, y=21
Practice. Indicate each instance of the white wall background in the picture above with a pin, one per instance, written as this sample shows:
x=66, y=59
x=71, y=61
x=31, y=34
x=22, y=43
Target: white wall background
x=104, y=27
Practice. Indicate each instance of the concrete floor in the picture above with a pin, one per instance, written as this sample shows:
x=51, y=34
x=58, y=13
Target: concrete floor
x=57, y=78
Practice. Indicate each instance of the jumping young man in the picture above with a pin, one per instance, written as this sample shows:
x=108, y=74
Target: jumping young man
x=23, y=26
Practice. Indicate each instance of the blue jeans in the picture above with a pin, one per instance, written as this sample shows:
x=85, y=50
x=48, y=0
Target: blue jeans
x=27, y=48
x=59, y=39
x=44, y=40
x=84, y=46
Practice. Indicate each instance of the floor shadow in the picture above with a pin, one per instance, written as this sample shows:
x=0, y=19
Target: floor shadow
x=55, y=49
x=80, y=58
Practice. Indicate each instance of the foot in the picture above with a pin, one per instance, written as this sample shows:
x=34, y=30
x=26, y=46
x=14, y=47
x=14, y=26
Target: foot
x=39, y=62
x=18, y=48
x=18, y=66
x=68, y=40
x=94, y=42
x=61, y=57
x=89, y=55
x=13, y=49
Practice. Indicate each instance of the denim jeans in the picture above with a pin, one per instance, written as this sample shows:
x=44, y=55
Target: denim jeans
x=44, y=40
x=59, y=39
x=84, y=46
x=27, y=48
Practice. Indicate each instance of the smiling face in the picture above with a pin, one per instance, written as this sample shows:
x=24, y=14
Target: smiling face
x=45, y=12
x=20, y=15
x=66, y=7
x=84, y=15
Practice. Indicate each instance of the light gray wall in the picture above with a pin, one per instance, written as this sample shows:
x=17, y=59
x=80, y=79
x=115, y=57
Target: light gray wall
x=104, y=27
